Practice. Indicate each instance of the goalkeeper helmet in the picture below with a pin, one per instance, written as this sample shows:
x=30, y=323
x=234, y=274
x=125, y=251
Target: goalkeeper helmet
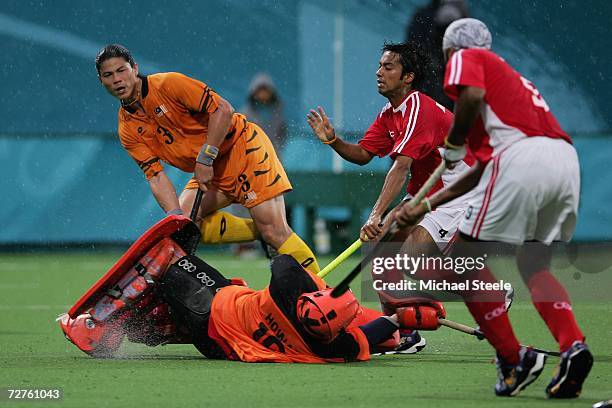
x=325, y=317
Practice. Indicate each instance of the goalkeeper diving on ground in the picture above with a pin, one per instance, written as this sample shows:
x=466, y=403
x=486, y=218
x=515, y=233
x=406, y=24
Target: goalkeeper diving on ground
x=158, y=293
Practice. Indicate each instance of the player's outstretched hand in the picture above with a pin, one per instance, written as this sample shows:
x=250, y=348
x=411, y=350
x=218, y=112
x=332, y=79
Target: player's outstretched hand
x=320, y=124
x=203, y=174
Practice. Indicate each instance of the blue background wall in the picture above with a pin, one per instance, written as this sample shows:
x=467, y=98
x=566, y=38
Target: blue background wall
x=66, y=179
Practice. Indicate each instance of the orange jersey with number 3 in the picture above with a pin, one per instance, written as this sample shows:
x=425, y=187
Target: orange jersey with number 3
x=175, y=125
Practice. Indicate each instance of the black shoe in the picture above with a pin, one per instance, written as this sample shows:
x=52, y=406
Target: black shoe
x=514, y=378
x=410, y=343
x=572, y=371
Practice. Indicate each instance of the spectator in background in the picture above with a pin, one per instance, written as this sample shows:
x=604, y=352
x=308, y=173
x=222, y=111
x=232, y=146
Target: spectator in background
x=265, y=108
x=427, y=29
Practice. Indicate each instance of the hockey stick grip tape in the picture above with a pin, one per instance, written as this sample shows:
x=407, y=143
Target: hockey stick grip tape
x=196, y=205
x=458, y=326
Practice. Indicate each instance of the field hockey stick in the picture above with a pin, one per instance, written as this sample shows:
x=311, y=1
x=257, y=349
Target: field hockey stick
x=418, y=197
x=480, y=335
x=196, y=205
x=462, y=328
x=357, y=244
x=340, y=258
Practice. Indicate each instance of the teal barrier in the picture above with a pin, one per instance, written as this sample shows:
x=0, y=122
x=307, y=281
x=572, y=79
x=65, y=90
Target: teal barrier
x=74, y=186
x=49, y=82
x=80, y=189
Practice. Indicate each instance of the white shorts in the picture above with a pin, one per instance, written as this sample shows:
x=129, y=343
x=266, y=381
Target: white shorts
x=442, y=223
x=529, y=191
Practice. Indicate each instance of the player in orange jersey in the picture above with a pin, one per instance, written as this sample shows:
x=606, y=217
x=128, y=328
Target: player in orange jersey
x=293, y=320
x=179, y=120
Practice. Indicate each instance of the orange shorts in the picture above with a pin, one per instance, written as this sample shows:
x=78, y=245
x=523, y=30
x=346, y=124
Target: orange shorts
x=250, y=173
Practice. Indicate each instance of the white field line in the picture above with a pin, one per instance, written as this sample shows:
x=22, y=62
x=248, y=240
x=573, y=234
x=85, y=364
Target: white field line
x=34, y=307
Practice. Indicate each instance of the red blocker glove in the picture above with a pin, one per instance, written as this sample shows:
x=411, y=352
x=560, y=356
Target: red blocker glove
x=423, y=316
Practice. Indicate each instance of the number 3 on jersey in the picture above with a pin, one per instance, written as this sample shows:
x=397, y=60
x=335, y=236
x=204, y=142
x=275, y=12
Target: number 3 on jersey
x=535, y=97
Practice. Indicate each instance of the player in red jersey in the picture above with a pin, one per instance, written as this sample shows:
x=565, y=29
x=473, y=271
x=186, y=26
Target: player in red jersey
x=525, y=188
x=410, y=129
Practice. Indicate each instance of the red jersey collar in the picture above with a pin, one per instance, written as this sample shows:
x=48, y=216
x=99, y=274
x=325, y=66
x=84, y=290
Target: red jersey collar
x=402, y=106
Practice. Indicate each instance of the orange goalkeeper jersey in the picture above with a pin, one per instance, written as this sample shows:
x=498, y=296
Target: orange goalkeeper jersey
x=262, y=325
x=175, y=124
x=257, y=331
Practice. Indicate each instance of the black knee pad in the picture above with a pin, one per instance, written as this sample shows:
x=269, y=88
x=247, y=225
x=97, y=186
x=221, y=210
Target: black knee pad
x=189, y=286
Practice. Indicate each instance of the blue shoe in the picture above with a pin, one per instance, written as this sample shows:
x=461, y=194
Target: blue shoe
x=575, y=365
x=515, y=378
x=408, y=344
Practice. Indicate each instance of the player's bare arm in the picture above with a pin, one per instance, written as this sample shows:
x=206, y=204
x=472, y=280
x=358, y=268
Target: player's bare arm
x=467, y=110
x=218, y=123
x=164, y=192
x=324, y=130
x=406, y=216
x=395, y=180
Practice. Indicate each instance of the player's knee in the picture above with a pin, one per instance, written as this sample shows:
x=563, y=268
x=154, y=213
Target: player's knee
x=532, y=257
x=274, y=234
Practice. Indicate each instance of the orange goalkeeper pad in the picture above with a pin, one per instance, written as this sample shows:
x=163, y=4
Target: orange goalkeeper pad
x=177, y=227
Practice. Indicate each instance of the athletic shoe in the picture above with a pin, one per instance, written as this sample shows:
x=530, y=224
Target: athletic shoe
x=410, y=343
x=573, y=369
x=514, y=378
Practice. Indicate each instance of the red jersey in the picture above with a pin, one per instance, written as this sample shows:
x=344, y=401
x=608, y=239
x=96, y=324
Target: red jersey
x=513, y=108
x=416, y=129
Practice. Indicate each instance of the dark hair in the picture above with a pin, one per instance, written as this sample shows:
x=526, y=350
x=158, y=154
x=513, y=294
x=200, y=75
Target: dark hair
x=113, y=51
x=413, y=59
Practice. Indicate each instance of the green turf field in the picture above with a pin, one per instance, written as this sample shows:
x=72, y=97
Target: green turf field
x=455, y=370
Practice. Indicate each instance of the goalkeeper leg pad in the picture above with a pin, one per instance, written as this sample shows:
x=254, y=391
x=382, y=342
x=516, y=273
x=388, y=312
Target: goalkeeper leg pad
x=178, y=232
